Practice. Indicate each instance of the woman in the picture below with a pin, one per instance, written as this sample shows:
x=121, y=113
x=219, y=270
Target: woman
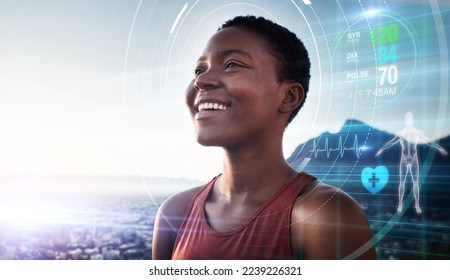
x=249, y=83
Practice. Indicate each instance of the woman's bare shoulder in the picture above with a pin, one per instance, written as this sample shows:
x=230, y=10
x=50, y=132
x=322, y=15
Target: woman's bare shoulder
x=318, y=197
x=329, y=224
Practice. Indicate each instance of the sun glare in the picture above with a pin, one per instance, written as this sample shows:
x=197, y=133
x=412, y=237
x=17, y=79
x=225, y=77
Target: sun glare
x=29, y=212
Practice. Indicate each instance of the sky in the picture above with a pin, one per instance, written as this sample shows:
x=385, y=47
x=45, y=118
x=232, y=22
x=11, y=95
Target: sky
x=97, y=87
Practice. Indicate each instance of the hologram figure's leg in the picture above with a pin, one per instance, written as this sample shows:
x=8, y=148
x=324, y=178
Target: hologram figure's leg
x=416, y=187
x=401, y=185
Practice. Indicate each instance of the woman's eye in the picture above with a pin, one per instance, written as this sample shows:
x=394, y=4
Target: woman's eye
x=231, y=65
x=198, y=71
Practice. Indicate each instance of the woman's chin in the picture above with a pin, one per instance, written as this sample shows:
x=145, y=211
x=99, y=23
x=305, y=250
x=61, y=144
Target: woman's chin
x=209, y=140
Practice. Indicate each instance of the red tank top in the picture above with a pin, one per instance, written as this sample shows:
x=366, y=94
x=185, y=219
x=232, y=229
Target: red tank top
x=265, y=235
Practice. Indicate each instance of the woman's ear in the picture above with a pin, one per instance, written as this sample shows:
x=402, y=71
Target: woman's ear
x=293, y=97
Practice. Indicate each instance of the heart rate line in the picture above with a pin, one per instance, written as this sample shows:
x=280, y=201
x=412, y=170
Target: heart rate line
x=340, y=148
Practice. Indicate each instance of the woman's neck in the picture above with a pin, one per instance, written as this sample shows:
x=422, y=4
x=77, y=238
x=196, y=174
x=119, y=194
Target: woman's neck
x=258, y=171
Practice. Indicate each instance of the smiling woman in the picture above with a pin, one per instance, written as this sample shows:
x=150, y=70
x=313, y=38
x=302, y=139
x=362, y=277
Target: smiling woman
x=249, y=83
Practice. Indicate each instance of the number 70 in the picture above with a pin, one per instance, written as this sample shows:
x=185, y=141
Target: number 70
x=390, y=72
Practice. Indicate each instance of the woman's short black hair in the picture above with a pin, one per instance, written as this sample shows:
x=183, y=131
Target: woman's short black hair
x=294, y=64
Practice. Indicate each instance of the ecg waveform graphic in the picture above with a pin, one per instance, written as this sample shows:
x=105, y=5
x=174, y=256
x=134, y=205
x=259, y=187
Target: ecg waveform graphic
x=340, y=148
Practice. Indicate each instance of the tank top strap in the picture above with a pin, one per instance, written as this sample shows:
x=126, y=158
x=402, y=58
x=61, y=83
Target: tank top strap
x=198, y=199
x=284, y=198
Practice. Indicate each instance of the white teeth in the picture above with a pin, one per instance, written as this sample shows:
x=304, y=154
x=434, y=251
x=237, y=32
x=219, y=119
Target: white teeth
x=211, y=106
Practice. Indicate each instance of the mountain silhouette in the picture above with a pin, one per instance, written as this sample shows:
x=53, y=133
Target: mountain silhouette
x=355, y=146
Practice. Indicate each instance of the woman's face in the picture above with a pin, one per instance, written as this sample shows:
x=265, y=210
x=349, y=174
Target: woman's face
x=234, y=96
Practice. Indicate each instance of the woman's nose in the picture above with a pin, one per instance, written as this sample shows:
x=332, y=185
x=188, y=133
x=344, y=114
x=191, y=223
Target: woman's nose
x=206, y=80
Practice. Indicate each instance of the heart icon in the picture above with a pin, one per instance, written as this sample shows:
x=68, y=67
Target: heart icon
x=374, y=180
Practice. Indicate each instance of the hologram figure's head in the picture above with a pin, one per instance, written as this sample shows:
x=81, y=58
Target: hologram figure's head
x=409, y=119
x=293, y=60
